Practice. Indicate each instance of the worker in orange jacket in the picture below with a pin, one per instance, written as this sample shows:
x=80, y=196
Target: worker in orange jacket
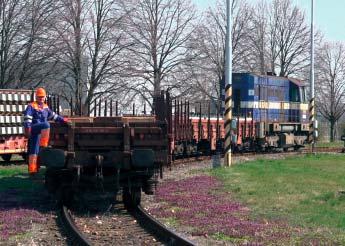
x=37, y=128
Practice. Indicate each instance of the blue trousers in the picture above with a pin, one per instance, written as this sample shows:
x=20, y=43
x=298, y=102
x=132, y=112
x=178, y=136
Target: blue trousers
x=34, y=141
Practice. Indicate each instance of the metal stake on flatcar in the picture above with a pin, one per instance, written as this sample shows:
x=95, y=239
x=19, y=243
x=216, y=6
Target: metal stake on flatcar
x=111, y=107
x=58, y=105
x=105, y=107
x=209, y=123
x=95, y=108
x=217, y=124
x=228, y=88
x=99, y=107
x=199, y=124
x=189, y=123
x=88, y=109
x=71, y=106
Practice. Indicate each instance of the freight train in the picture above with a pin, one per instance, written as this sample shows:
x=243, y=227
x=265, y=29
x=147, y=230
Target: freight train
x=128, y=152
x=269, y=112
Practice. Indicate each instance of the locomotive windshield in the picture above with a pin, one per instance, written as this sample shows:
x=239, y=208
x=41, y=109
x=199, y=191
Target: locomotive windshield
x=294, y=94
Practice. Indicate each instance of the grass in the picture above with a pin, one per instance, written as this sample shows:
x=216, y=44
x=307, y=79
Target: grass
x=334, y=144
x=305, y=191
x=16, y=177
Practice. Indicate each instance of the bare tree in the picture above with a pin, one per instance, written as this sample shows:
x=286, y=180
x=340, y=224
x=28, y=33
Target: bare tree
x=25, y=46
x=90, y=40
x=159, y=30
x=208, y=45
x=288, y=38
x=330, y=83
x=258, y=39
x=104, y=45
x=72, y=43
x=11, y=14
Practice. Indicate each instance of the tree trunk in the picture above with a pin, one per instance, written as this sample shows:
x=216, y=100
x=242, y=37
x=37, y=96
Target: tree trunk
x=332, y=124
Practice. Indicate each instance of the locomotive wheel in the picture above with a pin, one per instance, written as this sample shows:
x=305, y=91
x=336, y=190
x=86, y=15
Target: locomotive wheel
x=6, y=157
x=131, y=197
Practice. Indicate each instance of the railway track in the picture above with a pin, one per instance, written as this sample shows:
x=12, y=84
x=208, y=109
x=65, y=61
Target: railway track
x=117, y=226
x=252, y=154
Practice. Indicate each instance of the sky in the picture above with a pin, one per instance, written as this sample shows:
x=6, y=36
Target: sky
x=329, y=15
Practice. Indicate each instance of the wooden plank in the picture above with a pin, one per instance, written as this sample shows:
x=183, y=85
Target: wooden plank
x=150, y=142
x=99, y=130
x=58, y=142
x=103, y=143
x=147, y=130
x=82, y=119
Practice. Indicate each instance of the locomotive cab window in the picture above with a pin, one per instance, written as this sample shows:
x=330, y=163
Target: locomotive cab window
x=303, y=94
x=294, y=94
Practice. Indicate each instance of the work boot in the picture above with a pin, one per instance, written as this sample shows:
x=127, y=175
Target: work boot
x=32, y=165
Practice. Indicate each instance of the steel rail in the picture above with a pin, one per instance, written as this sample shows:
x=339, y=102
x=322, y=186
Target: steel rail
x=68, y=222
x=171, y=237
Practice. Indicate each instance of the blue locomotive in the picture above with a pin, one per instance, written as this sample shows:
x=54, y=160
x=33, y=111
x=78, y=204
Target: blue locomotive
x=271, y=111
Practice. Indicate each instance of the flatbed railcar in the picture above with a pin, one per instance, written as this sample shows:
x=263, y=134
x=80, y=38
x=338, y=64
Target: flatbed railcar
x=115, y=153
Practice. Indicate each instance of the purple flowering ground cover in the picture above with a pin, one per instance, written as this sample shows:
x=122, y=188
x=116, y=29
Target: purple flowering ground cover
x=16, y=216
x=15, y=222
x=199, y=203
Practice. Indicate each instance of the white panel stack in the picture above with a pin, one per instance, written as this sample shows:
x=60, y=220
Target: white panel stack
x=20, y=130
x=12, y=106
x=3, y=130
x=16, y=98
x=8, y=108
x=28, y=98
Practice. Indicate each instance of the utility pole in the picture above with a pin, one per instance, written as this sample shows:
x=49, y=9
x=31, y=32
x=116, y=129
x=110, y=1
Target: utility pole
x=312, y=116
x=228, y=86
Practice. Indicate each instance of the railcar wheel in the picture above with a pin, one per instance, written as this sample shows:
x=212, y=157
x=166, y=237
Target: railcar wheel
x=131, y=197
x=65, y=195
x=51, y=180
x=6, y=157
